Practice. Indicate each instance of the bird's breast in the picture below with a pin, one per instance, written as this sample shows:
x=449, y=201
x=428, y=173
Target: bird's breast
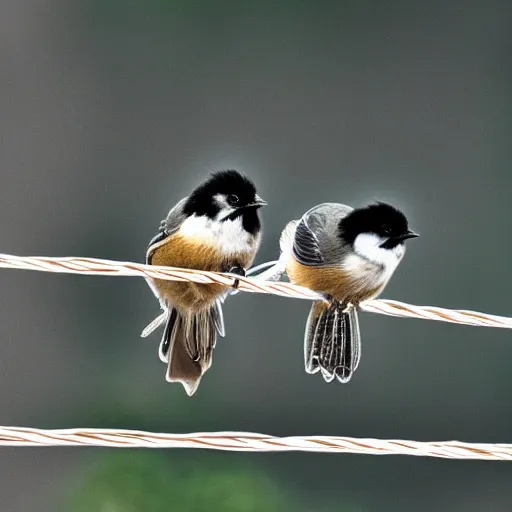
x=354, y=281
x=194, y=252
x=228, y=236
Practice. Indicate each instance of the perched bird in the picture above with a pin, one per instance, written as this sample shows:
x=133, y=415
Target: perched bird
x=349, y=256
x=215, y=228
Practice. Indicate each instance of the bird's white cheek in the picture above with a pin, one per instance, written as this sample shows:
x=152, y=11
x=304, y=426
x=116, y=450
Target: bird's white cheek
x=224, y=212
x=368, y=246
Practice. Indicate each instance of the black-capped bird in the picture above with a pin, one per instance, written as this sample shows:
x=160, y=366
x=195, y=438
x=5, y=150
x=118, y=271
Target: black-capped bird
x=215, y=228
x=348, y=255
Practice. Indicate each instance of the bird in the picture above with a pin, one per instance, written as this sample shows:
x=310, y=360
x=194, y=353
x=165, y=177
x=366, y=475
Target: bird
x=216, y=228
x=348, y=255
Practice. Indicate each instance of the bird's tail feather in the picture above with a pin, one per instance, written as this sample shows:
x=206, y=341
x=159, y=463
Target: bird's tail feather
x=332, y=342
x=155, y=324
x=187, y=345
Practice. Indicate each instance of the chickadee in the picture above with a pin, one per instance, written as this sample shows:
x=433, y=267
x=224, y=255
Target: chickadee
x=349, y=255
x=215, y=228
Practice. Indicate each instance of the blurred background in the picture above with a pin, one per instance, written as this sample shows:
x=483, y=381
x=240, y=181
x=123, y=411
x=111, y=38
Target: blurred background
x=111, y=111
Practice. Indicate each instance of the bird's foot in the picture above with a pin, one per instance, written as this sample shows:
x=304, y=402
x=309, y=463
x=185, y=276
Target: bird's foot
x=239, y=271
x=346, y=306
x=349, y=306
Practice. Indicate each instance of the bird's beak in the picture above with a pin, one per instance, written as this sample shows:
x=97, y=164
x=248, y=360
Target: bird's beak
x=395, y=240
x=405, y=236
x=257, y=203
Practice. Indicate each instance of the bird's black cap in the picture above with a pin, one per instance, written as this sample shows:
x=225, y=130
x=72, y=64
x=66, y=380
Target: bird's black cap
x=228, y=182
x=235, y=186
x=380, y=218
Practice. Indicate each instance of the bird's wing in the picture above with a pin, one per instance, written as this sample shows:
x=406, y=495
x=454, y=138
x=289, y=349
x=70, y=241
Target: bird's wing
x=168, y=226
x=315, y=231
x=305, y=245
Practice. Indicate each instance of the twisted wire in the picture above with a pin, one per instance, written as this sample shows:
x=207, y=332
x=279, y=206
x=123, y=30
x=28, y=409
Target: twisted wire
x=94, y=266
x=250, y=442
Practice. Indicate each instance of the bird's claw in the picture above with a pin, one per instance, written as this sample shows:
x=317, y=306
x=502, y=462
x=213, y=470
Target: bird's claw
x=348, y=307
x=237, y=270
x=336, y=303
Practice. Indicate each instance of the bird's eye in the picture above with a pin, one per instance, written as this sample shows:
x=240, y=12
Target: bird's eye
x=386, y=230
x=233, y=200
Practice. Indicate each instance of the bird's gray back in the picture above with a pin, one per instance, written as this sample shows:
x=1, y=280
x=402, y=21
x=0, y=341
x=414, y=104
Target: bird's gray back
x=317, y=234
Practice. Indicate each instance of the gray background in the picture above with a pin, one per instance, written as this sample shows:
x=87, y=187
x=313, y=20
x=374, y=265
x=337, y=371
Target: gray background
x=112, y=111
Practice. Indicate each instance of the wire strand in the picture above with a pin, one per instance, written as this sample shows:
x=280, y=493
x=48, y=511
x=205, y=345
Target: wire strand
x=250, y=442
x=94, y=266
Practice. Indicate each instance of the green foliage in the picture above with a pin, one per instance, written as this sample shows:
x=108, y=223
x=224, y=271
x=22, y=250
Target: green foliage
x=148, y=481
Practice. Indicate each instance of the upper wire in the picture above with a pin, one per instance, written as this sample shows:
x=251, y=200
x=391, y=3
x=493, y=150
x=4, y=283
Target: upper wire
x=263, y=283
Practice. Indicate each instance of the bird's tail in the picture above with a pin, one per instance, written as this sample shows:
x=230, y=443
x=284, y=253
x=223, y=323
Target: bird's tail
x=332, y=343
x=187, y=344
